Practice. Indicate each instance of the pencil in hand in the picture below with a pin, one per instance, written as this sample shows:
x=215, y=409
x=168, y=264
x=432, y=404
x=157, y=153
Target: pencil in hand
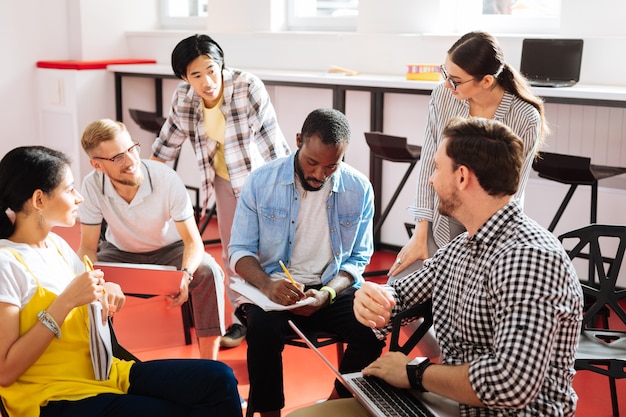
x=88, y=264
x=287, y=273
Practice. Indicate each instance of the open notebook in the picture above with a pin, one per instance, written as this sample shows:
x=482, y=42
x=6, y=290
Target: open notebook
x=384, y=400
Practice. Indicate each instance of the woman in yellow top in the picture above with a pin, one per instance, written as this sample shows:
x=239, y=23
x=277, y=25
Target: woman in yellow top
x=45, y=362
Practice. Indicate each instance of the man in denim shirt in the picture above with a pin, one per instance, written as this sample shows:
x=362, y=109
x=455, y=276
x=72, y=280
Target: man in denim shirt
x=314, y=213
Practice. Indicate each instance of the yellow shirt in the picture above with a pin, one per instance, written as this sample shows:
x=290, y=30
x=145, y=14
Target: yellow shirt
x=64, y=371
x=214, y=126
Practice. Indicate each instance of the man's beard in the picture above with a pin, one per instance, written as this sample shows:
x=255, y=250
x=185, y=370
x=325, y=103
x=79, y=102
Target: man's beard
x=304, y=181
x=132, y=182
x=449, y=205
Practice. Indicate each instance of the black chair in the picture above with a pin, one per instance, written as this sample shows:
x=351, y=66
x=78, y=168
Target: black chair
x=575, y=171
x=601, y=350
x=394, y=149
x=418, y=311
x=119, y=352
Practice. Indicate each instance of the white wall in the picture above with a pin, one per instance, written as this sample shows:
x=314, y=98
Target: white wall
x=25, y=38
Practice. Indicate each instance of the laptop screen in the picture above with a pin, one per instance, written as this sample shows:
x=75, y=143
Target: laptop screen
x=547, y=60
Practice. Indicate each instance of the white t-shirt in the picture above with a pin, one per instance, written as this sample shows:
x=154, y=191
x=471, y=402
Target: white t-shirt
x=312, y=251
x=53, y=271
x=147, y=222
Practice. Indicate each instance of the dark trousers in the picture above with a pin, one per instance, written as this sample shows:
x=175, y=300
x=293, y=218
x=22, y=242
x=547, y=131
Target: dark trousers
x=266, y=341
x=163, y=388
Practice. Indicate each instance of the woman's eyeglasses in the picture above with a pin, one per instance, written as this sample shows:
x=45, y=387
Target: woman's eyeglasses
x=121, y=157
x=453, y=84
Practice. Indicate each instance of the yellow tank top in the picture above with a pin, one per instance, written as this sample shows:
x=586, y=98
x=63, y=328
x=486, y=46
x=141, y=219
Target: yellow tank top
x=64, y=371
x=214, y=127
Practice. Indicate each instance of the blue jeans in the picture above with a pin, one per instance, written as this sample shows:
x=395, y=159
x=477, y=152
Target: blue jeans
x=163, y=388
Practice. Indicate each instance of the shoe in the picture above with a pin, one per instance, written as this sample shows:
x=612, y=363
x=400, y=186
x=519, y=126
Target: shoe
x=234, y=336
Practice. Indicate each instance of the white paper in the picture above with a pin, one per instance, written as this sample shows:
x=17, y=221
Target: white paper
x=251, y=294
x=100, y=342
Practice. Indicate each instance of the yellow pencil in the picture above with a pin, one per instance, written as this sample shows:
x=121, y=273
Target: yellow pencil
x=287, y=272
x=88, y=263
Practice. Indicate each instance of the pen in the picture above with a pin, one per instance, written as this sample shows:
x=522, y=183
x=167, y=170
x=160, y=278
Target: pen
x=287, y=272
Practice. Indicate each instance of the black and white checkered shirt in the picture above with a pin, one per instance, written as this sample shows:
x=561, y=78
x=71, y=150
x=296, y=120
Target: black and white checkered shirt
x=508, y=301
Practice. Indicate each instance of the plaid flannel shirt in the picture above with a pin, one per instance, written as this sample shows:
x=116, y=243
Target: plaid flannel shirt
x=252, y=136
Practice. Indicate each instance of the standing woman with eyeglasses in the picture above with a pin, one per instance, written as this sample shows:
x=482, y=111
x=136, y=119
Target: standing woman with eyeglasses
x=477, y=83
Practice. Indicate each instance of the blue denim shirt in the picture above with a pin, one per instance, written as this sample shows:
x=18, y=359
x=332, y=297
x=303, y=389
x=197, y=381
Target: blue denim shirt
x=265, y=219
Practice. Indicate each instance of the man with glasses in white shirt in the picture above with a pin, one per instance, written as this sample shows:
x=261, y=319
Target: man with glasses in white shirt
x=150, y=220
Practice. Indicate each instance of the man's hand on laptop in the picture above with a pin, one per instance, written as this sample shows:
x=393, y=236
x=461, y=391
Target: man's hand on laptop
x=372, y=305
x=390, y=367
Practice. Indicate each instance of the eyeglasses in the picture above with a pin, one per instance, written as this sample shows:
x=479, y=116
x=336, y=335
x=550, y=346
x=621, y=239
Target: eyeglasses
x=121, y=157
x=453, y=84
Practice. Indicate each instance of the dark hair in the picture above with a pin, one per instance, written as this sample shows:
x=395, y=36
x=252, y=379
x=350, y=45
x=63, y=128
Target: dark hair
x=329, y=124
x=490, y=149
x=479, y=54
x=191, y=48
x=23, y=171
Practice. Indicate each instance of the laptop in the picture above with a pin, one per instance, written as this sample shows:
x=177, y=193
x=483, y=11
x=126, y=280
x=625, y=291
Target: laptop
x=551, y=62
x=144, y=279
x=383, y=400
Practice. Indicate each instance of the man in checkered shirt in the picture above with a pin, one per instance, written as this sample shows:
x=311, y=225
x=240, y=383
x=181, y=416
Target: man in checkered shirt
x=507, y=303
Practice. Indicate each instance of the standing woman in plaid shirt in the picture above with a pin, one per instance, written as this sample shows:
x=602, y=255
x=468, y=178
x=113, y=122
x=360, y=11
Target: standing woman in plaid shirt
x=227, y=116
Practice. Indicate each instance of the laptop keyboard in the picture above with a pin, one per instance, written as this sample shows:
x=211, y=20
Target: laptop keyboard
x=392, y=401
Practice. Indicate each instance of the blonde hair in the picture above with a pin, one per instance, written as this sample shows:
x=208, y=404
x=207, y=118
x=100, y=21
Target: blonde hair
x=100, y=131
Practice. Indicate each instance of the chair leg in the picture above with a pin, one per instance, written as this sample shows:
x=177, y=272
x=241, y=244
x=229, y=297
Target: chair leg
x=187, y=320
x=339, y=352
x=614, y=400
x=561, y=209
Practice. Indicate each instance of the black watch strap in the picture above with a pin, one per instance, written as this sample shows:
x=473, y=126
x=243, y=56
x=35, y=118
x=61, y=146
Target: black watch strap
x=415, y=372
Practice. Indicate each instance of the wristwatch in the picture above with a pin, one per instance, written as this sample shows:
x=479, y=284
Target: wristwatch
x=415, y=371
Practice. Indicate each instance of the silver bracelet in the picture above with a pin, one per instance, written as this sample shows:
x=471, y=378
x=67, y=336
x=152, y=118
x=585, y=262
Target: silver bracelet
x=48, y=321
x=189, y=274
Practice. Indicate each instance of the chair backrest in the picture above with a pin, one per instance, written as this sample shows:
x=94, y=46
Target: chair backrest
x=424, y=311
x=603, y=247
x=146, y=120
x=559, y=167
x=120, y=351
x=391, y=148
x=3, y=411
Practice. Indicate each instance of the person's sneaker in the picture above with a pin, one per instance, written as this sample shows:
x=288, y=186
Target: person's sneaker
x=234, y=336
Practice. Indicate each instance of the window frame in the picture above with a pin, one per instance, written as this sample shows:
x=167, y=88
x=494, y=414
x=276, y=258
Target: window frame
x=318, y=23
x=168, y=22
x=469, y=16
